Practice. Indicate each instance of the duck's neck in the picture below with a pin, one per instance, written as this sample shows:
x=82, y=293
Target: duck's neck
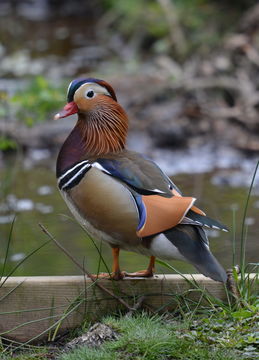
x=71, y=152
x=95, y=134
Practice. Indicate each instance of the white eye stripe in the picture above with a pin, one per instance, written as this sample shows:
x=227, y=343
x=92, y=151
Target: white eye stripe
x=96, y=88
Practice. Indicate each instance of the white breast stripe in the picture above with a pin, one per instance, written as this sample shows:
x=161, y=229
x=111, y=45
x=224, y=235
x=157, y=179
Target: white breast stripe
x=78, y=173
x=71, y=169
x=100, y=167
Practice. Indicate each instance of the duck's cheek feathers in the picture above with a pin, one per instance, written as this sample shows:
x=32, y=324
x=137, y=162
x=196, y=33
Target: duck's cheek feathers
x=86, y=105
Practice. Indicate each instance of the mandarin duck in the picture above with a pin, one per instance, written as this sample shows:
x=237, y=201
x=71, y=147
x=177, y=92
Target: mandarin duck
x=121, y=197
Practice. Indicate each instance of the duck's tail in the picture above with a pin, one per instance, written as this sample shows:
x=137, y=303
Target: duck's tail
x=191, y=241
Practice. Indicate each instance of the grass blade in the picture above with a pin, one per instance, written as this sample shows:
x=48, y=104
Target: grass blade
x=23, y=260
x=243, y=231
x=7, y=248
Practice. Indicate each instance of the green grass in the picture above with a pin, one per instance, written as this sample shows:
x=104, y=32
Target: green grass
x=211, y=336
x=154, y=338
x=163, y=337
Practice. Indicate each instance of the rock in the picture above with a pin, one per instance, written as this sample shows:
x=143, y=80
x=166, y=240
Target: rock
x=95, y=337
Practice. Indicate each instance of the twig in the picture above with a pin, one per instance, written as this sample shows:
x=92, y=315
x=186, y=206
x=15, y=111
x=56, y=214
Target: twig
x=136, y=306
x=85, y=271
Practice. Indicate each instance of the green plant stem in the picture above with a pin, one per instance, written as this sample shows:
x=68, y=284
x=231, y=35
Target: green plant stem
x=7, y=248
x=243, y=232
x=234, y=238
x=85, y=271
x=101, y=258
x=22, y=261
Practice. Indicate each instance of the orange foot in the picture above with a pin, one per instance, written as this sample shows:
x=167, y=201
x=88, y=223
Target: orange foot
x=142, y=273
x=112, y=276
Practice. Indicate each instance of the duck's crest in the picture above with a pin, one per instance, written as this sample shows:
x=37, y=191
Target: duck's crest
x=75, y=84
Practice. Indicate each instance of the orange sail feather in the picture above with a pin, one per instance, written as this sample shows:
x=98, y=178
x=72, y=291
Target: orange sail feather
x=163, y=213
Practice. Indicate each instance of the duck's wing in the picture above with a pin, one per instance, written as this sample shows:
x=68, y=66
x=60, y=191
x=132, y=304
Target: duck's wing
x=159, y=201
x=139, y=173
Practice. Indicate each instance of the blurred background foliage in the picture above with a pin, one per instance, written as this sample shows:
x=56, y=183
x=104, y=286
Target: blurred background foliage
x=48, y=41
x=201, y=23
x=38, y=99
x=186, y=71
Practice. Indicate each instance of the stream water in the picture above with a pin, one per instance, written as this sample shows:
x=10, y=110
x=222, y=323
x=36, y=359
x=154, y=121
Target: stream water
x=29, y=192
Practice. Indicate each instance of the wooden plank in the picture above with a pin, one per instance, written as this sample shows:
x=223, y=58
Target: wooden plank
x=30, y=305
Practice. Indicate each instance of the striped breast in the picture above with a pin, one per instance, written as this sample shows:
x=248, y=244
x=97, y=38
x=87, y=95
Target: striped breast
x=102, y=204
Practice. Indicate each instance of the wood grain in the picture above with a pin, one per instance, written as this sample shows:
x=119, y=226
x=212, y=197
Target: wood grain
x=30, y=305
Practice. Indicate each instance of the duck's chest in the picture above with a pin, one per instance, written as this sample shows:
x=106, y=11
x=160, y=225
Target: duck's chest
x=105, y=207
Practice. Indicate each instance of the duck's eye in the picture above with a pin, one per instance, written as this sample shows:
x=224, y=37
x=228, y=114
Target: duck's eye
x=89, y=94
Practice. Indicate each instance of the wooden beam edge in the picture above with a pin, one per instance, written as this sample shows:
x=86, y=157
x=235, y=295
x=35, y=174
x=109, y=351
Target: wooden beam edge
x=199, y=278
x=28, y=303
x=82, y=278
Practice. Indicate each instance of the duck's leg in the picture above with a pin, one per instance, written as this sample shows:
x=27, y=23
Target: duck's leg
x=149, y=272
x=116, y=273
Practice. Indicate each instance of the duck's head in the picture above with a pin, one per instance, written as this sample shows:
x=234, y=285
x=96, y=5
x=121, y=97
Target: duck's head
x=101, y=120
x=84, y=95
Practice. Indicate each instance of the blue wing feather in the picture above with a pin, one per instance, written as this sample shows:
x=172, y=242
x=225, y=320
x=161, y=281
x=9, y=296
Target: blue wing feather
x=132, y=178
x=141, y=210
x=114, y=168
